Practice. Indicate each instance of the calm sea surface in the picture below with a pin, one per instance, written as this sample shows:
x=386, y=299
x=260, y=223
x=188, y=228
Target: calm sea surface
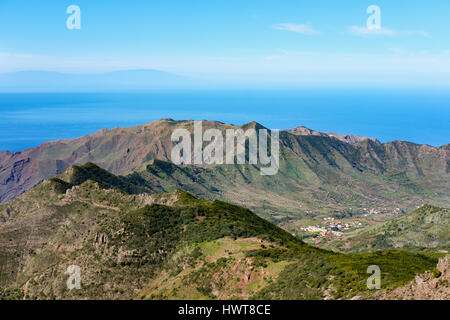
x=27, y=120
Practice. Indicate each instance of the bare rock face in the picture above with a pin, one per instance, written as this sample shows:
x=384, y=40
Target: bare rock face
x=428, y=286
x=348, y=138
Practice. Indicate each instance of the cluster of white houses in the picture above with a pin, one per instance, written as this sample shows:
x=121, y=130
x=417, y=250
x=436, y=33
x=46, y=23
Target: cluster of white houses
x=331, y=227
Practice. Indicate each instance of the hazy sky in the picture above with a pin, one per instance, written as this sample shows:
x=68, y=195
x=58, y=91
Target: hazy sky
x=289, y=42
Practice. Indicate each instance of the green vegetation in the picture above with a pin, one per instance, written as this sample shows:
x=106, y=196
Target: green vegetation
x=77, y=175
x=319, y=175
x=168, y=246
x=422, y=230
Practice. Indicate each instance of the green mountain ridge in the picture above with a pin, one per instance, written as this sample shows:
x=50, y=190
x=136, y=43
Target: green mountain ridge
x=130, y=244
x=320, y=176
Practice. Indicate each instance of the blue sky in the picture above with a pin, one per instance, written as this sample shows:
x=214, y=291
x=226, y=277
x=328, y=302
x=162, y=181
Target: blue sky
x=298, y=43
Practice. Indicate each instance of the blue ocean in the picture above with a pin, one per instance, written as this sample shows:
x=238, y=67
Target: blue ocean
x=29, y=119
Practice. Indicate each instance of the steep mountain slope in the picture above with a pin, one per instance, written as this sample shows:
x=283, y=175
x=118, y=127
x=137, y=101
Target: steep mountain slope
x=428, y=286
x=319, y=175
x=118, y=150
x=168, y=245
x=425, y=228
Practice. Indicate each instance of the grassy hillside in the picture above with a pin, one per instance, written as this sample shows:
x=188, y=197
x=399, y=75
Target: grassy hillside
x=171, y=245
x=426, y=228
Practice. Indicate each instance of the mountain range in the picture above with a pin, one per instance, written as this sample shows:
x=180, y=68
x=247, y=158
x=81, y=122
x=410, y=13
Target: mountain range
x=137, y=226
x=320, y=174
x=169, y=246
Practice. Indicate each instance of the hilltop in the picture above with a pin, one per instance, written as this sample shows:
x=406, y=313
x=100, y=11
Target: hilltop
x=167, y=246
x=350, y=138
